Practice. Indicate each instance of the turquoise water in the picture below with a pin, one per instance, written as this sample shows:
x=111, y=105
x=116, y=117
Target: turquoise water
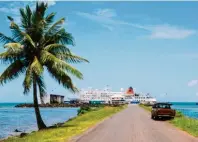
x=24, y=119
x=8, y=105
x=189, y=109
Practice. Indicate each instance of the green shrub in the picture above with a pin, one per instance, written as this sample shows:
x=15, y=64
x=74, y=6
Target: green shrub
x=84, y=109
x=179, y=114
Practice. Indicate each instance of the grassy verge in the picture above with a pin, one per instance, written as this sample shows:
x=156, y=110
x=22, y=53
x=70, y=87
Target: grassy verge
x=71, y=128
x=187, y=124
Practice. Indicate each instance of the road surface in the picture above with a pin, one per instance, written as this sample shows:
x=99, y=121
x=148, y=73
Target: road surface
x=135, y=125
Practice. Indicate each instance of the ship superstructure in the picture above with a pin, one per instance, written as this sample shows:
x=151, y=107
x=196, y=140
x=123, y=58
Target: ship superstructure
x=106, y=95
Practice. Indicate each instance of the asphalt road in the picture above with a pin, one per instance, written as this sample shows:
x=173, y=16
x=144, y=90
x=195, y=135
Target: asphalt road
x=135, y=125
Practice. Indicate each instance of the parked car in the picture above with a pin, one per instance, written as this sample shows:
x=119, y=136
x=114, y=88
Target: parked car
x=162, y=110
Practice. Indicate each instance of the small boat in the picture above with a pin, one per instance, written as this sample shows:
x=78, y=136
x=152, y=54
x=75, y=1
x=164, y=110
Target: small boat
x=196, y=103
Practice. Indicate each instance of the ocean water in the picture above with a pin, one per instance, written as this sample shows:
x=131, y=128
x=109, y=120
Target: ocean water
x=24, y=119
x=189, y=109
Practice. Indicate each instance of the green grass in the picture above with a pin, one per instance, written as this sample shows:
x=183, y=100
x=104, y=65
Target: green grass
x=187, y=124
x=148, y=108
x=71, y=128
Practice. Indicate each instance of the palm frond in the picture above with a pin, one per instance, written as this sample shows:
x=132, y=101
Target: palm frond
x=67, y=38
x=4, y=39
x=20, y=36
x=57, y=48
x=10, y=18
x=56, y=26
x=27, y=83
x=62, y=78
x=13, y=25
x=14, y=52
x=63, y=37
x=41, y=85
x=26, y=15
x=12, y=72
x=49, y=19
x=29, y=14
x=36, y=67
x=28, y=38
x=24, y=18
x=51, y=60
x=13, y=46
x=71, y=58
x=16, y=32
x=41, y=8
x=72, y=70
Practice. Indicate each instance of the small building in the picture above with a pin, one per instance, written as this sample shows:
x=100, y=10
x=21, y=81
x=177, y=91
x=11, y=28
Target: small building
x=74, y=101
x=56, y=99
x=118, y=99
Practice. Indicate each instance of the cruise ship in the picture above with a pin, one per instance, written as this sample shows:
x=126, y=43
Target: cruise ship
x=106, y=95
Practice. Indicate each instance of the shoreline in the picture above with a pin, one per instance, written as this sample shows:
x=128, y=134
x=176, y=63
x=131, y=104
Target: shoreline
x=18, y=134
x=33, y=131
x=73, y=126
x=15, y=121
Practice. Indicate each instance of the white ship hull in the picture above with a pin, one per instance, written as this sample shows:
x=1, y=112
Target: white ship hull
x=107, y=96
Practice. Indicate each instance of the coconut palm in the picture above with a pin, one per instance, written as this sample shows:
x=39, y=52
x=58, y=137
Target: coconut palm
x=36, y=44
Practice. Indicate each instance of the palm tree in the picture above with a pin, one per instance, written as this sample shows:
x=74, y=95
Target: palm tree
x=36, y=44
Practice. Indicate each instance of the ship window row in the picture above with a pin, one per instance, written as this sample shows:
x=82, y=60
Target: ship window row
x=141, y=98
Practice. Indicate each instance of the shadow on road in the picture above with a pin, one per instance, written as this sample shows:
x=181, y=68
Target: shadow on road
x=163, y=119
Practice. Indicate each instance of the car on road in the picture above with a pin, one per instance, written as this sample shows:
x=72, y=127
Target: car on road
x=162, y=110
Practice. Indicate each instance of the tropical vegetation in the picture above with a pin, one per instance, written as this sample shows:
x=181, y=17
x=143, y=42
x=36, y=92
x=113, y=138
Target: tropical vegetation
x=37, y=44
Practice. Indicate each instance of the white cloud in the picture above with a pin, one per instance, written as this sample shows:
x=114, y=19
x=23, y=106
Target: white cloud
x=12, y=8
x=110, y=28
x=107, y=17
x=169, y=32
x=192, y=83
x=106, y=13
x=9, y=10
x=49, y=2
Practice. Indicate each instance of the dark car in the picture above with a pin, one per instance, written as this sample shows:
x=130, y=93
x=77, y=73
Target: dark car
x=162, y=110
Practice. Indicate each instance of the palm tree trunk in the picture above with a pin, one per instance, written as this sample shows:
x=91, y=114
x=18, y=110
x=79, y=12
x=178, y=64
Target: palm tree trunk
x=40, y=123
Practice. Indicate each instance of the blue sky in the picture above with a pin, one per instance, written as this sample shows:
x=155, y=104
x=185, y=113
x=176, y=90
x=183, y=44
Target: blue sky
x=151, y=46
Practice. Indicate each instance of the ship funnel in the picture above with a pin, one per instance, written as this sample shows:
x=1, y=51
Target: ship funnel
x=130, y=91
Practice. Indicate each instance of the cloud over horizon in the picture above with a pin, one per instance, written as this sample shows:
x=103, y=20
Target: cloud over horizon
x=107, y=19
x=192, y=83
